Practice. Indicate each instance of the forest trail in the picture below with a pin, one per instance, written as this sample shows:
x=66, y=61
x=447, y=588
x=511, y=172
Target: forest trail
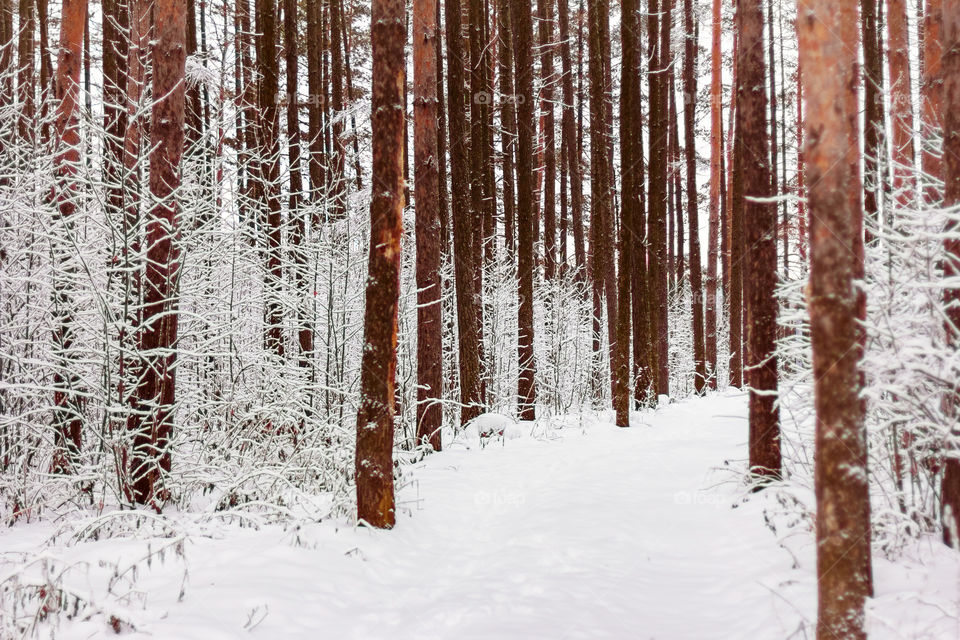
x=592, y=532
x=580, y=530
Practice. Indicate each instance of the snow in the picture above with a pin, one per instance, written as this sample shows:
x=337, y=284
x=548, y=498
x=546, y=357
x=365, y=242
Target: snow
x=574, y=529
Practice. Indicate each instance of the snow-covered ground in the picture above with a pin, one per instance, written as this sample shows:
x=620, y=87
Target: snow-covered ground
x=584, y=531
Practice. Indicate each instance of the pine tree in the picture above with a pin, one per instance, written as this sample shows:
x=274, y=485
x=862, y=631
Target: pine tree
x=522, y=23
x=428, y=237
x=374, y=453
x=152, y=422
x=950, y=489
x=828, y=54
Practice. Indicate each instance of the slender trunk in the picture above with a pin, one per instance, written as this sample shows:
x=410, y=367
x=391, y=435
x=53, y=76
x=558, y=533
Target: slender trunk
x=522, y=23
x=630, y=177
x=573, y=148
x=428, y=238
x=690, y=150
x=152, y=423
x=67, y=411
x=931, y=103
x=716, y=180
x=268, y=118
x=760, y=257
x=468, y=329
x=873, y=106
x=545, y=32
x=508, y=124
x=901, y=103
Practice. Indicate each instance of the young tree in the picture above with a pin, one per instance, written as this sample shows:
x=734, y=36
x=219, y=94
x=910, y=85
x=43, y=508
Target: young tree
x=428, y=238
x=950, y=489
x=152, y=422
x=828, y=34
x=522, y=23
x=374, y=453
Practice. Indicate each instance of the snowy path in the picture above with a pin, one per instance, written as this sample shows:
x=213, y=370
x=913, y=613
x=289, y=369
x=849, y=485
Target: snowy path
x=597, y=532
x=612, y=533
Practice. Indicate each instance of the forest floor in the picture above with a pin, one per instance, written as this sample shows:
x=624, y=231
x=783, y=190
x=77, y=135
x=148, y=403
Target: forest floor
x=581, y=531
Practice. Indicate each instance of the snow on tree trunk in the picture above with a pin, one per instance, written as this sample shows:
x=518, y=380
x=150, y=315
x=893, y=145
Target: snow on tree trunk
x=152, y=421
x=374, y=452
x=428, y=238
x=828, y=32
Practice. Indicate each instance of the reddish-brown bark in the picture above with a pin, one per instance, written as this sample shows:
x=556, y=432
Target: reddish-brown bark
x=760, y=255
x=568, y=131
x=67, y=416
x=828, y=33
x=428, y=238
x=716, y=180
x=522, y=23
x=950, y=488
x=690, y=153
x=468, y=327
x=152, y=423
x=931, y=101
x=545, y=33
x=374, y=455
x=901, y=102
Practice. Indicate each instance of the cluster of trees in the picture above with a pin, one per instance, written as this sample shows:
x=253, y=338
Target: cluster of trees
x=574, y=183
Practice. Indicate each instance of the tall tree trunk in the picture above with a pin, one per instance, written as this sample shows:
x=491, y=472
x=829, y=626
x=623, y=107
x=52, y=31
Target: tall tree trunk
x=508, y=124
x=658, y=24
x=67, y=411
x=268, y=117
x=298, y=221
x=468, y=329
x=690, y=150
x=46, y=68
x=630, y=177
x=901, y=103
x=315, y=109
x=716, y=180
x=950, y=488
x=522, y=23
x=760, y=226
x=26, y=86
x=545, y=32
x=338, y=185
x=873, y=107
x=152, y=423
x=600, y=190
x=374, y=455
x=428, y=238
x=568, y=126
x=931, y=102
x=828, y=54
